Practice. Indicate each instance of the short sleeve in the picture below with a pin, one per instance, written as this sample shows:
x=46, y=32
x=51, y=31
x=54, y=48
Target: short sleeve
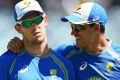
x=3, y=72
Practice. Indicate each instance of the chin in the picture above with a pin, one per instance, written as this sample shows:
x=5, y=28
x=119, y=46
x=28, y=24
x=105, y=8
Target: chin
x=37, y=42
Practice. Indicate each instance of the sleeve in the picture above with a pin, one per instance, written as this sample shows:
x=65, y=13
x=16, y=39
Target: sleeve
x=64, y=49
x=61, y=49
x=5, y=63
x=3, y=73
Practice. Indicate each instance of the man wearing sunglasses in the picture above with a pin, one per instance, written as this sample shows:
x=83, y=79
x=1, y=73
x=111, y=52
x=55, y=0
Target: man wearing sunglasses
x=37, y=61
x=94, y=56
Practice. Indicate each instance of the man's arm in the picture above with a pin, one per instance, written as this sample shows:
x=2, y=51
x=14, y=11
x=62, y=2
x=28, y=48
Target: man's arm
x=5, y=63
x=3, y=73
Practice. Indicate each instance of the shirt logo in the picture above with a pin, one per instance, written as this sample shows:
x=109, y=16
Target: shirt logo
x=83, y=66
x=109, y=66
x=53, y=72
x=53, y=75
x=24, y=69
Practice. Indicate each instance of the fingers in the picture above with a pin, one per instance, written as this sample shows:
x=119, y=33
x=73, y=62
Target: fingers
x=11, y=47
x=19, y=43
x=15, y=45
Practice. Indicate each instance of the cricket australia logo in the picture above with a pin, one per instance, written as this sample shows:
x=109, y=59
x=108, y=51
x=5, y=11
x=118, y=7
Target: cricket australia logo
x=26, y=4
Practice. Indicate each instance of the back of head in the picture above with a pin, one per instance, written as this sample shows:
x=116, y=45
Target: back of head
x=87, y=13
x=25, y=6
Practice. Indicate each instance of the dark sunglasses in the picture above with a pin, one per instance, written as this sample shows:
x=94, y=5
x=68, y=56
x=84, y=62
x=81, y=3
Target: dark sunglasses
x=28, y=22
x=77, y=28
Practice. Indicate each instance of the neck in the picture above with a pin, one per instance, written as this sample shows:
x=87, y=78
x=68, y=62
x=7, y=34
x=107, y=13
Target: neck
x=37, y=49
x=98, y=46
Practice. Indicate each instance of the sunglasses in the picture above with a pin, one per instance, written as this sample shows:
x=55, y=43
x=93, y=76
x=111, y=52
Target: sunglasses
x=28, y=22
x=78, y=28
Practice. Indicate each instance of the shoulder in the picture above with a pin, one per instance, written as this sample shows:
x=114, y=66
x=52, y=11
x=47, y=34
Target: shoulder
x=115, y=47
x=5, y=63
x=66, y=64
x=65, y=48
x=60, y=57
x=68, y=50
x=6, y=58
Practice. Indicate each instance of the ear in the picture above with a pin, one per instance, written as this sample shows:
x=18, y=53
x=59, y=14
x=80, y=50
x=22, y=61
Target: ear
x=97, y=26
x=18, y=28
x=46, y=20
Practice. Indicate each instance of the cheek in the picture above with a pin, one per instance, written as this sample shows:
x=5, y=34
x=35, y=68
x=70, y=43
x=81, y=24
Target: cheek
x=85, y=36
x=26, y=32
x=43, y=30
x=42, y=27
